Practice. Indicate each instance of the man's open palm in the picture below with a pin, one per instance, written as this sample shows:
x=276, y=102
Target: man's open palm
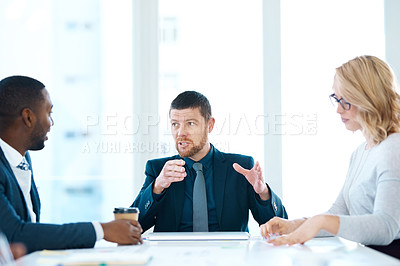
x=254, y=176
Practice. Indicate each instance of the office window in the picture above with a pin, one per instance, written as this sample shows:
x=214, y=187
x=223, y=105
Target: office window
x=168, y=30
x=81, y=51
x=215, y=47
x=317, y=37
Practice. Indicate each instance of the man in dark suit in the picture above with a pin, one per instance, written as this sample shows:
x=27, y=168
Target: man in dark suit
x=167, y=199
x=25, y=120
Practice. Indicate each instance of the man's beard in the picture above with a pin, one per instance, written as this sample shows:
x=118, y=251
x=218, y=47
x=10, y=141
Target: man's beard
x=38, y=138
x=194, y=150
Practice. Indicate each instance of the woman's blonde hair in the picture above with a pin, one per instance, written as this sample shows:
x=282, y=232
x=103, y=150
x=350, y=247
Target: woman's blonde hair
x=369, y=83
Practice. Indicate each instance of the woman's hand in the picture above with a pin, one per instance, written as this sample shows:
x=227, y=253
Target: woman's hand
x=279, y=226
x=309, y=229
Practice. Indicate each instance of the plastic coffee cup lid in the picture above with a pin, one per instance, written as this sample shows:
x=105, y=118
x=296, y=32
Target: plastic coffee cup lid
x=126, y=210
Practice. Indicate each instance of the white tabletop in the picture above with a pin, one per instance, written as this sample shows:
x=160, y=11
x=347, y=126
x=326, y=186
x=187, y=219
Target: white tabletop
x=256, y=251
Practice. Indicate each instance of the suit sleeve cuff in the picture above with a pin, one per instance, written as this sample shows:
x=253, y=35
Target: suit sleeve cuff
x=264, y=202
x=99, y=230
x=158, y=197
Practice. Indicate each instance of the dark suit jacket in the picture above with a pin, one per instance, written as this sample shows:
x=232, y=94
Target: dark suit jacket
x=234, y=197
x=15, y=219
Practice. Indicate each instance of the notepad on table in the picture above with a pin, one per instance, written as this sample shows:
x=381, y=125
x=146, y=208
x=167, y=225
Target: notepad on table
x=189, y=236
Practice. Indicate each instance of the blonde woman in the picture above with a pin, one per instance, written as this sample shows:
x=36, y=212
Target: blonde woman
x=367, y=209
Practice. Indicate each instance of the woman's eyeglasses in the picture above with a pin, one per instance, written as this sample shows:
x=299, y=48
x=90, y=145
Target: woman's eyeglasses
x=334, y=100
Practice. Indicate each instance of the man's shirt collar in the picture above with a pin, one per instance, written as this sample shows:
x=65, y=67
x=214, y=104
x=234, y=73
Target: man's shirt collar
x=206, y=161
x=12, y=155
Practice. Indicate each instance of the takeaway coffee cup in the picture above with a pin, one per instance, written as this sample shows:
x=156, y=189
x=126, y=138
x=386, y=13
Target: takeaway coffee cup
x=131, y=213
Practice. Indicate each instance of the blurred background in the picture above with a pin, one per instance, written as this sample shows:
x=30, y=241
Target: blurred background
x=113, y=67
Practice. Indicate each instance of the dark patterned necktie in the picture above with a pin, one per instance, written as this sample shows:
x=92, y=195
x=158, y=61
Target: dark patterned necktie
x=23, y=165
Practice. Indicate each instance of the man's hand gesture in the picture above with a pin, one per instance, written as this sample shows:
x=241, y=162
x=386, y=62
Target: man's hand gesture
x=255, y=178
x=173, y=171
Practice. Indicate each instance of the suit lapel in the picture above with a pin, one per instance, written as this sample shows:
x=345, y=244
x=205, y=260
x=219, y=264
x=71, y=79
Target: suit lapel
x=13, y=180
x=35, y=200
x=34, y=193
x=220, y=176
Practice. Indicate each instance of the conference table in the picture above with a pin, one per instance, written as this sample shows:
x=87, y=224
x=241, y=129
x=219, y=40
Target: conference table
x=255, y=251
